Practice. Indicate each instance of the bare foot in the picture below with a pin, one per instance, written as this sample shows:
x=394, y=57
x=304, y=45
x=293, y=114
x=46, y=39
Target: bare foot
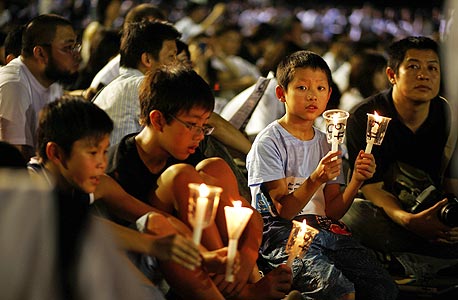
x=275, y=285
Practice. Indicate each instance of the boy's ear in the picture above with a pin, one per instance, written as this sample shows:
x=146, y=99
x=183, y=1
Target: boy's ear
x=54, y=153
x=280, y=93
x=157, y=120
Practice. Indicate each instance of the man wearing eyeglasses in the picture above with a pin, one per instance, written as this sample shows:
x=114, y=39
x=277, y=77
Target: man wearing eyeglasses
x=49, y=56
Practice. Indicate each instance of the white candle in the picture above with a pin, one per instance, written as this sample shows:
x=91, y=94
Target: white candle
x=201, y=207
x=231, y=252
x=335, y=134
x=369, y=146
x=236, y=219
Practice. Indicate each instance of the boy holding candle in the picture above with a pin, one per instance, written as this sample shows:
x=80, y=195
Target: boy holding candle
x=73, y=138
x=290, y=173
x=417, y=135
x=175, y=105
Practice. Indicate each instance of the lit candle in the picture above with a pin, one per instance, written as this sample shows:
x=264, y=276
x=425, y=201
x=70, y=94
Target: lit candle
x=335, y=134
x=236, y=219
x=372, y=135
x=298, y=243
x=201, y=207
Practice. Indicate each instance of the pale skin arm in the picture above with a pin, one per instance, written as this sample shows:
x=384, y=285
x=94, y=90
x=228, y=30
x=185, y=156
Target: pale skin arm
x=337, y=203
x=122, y=204
x=230, y=136
x=289, y=205
x=173, y=247
x=216, y=12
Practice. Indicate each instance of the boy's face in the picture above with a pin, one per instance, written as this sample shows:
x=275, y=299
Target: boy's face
x=183, y=134
x=307, y=94
x=87, y=162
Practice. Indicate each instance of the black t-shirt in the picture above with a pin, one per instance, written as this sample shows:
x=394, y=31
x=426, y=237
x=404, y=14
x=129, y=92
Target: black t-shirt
x=127, y=168
x=423, y=149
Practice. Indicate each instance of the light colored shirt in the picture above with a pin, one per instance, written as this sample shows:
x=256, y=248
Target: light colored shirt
x=276, y=154
x=108, y=73
x=22, y=97
x=119, y=100
x=188, y=28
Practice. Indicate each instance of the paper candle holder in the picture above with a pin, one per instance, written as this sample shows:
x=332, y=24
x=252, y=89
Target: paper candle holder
x=299, y=241
x=336, y=123
x=237, y=218
x=202, y=205
x=375, y=130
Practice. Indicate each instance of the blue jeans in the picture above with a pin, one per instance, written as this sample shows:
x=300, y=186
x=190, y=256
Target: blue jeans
x=333, y=266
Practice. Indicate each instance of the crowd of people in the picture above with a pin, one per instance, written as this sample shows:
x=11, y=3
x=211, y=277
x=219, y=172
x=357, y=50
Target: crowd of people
x=109, y=110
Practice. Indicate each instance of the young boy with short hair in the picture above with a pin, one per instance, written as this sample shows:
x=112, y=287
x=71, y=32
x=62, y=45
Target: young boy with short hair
x=176, y=104
x=73, y=140
x=291, y=173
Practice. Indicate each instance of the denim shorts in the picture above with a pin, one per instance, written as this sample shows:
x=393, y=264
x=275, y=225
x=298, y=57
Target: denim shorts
x=333, y=266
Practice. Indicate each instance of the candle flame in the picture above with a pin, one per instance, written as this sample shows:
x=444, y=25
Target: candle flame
x=237, y=203
x=204, y=191
x=335, y=118
x=377, y=117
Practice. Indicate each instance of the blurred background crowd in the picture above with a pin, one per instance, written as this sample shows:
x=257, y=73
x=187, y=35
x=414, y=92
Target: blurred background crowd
x=321, y=19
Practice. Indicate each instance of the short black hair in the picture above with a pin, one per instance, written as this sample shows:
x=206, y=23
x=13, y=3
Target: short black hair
x=173, y=89
x=13, y=41
x=145, y=36
x=68, y=120
x=398, y=49
x=300, y=59
x=41, y=30
x=11, y=157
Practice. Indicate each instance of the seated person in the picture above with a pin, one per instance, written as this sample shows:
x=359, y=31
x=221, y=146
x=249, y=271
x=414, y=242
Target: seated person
x=417, y=135
x=293, y=175
x=73, y=140
x=175, y=105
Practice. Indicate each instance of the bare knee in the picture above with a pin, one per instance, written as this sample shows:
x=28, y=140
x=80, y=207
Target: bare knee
x=172, y=192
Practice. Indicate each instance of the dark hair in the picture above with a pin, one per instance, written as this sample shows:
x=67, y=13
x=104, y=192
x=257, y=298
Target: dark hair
x=300, y=59
x=11, y=157
x=182, y=46
x=101, y=9
x=143, y=12
x=397, y=50
x=173, y=89
x=145, y=36
x=363, y=67
x=104, y=46
x=13, y=41
x=262, y=32
x=68, y=120
x=41, y=30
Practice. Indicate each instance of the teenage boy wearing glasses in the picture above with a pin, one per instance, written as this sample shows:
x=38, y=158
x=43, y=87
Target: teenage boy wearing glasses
x=49, y=56
x=175, y=105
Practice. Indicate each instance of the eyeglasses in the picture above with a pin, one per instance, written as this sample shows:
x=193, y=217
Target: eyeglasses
x=71, y=49
x=197, y=130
